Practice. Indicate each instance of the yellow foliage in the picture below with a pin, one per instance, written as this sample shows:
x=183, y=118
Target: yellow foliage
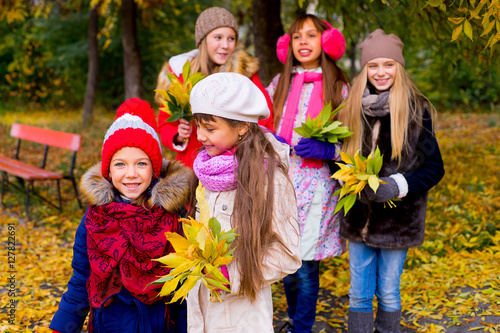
x=198, y=255
x=175, y=100
x=358, y=172
x=462, y=210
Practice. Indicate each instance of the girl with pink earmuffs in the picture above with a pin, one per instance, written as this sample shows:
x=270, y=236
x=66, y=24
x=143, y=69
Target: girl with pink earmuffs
x=310, y=80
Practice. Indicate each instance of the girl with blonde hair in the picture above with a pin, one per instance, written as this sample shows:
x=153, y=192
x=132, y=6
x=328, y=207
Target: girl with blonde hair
x=385, y=109
x=216, y=36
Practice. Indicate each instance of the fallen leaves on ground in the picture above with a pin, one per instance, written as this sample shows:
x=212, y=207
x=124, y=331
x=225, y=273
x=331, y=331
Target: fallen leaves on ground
x=452, y=279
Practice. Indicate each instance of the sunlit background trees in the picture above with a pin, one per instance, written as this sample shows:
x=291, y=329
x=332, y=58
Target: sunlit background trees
x=87, y=53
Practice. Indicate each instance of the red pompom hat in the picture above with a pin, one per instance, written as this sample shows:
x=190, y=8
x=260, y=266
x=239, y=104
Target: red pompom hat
x=134, y=126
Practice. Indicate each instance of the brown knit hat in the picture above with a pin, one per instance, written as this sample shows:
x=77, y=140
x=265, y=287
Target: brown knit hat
x=213, y=18
x=380, y=45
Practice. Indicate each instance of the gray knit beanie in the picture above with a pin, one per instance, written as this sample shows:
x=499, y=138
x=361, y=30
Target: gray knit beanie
x=380, y=45
x=213, y=18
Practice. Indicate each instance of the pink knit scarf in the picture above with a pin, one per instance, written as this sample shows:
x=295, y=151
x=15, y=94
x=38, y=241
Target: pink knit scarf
x=217, y=173
x=315, y=102
x=313, y=110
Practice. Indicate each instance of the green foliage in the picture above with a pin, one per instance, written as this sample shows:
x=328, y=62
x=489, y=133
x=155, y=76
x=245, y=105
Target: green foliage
x=43, y=59
x=324, y=127
x=43, y=54
x=175, y=100
x=450, y=73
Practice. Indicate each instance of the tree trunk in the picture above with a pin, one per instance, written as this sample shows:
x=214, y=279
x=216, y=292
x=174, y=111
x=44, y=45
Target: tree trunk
x=267, y=28
x=90, y=91
x=132, y=63
x=352, y=57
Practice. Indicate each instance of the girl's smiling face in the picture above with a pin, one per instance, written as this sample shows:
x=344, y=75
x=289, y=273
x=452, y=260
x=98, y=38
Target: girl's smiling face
x=131, y=171
x=218, y=136
x=306, y=45
x=381, y=73
x=220, y=44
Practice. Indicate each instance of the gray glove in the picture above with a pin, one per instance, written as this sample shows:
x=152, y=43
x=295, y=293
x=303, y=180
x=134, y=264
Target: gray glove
x=384, y=192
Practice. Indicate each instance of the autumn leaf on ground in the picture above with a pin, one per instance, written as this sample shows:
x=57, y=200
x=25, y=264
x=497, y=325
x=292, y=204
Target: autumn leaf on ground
x=454, y=275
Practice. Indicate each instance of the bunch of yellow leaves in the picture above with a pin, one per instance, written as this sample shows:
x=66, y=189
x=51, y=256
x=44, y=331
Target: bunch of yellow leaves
x=197, y=256
x=176, y=99
x=356, y=173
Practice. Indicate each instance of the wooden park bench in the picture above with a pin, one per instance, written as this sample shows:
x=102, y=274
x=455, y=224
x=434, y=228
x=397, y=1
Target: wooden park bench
x=27, y=174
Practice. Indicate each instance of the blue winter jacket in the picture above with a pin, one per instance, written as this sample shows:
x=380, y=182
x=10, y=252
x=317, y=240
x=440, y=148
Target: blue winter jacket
x=125, y=314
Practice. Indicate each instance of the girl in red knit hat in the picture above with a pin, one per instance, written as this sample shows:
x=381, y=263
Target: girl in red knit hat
x=310, y=80
x=134, y=197
x=216, y=36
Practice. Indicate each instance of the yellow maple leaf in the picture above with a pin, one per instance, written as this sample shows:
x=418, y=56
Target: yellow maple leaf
x=203, y=204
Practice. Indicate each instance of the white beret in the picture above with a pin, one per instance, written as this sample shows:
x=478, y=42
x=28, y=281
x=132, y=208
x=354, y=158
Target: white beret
x=231, y=96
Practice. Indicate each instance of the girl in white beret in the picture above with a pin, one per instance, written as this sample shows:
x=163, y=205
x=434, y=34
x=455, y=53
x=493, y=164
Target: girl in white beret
x=216, y=36
x=385, y=109
x=311, y=79
x=244, y=171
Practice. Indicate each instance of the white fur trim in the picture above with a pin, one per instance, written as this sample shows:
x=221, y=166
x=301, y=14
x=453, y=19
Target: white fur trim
x=402, y=184
x=177, y=62
x=180, y=147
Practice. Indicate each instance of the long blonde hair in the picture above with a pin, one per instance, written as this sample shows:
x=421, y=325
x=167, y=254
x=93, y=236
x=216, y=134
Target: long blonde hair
x=406, y=104
x=202, y=62
x=333, y=77
x=254, y=204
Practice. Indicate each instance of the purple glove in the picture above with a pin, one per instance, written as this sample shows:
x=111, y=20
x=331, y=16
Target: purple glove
x=312, y=148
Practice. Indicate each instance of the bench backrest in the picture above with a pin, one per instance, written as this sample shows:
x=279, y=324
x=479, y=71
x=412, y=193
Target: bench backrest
x=46, y=136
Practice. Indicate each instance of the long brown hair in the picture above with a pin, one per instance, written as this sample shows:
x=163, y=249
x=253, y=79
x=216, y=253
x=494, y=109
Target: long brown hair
x=333, y=77
x=254, y=205
x=406, y=104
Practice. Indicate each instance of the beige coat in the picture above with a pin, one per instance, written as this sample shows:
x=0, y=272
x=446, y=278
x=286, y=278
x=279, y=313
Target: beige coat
x=236, y=314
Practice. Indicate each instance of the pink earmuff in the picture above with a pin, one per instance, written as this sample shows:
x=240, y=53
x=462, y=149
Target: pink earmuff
x=332, y=42
x=282, y=47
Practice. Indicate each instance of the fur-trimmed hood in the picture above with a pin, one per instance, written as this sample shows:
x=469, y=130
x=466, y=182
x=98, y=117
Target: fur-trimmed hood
x=170, y=191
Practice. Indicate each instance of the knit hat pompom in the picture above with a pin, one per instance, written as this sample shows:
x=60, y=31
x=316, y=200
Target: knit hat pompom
x=134, y=126
x=211, y=19
x=380, y=45
x=140, y=108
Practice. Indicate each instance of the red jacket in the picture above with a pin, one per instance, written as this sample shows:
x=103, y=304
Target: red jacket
x=169, y=129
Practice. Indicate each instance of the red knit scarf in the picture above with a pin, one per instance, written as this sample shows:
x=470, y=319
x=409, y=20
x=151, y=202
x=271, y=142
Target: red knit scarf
x=121, y=241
